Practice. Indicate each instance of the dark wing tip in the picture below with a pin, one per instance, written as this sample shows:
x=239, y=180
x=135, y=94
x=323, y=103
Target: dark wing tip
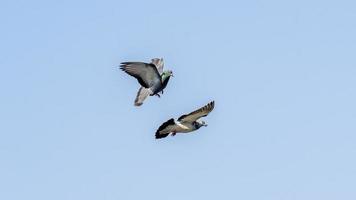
x=212, y=104
x=123, y=67
x=163, y=126
x=160, y=136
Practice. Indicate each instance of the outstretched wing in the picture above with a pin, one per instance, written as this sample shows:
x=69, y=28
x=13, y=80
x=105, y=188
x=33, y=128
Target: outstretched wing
x=142, y=94
x=158, y=62
x=146, y=74
x=201, y=112
x=165, y=129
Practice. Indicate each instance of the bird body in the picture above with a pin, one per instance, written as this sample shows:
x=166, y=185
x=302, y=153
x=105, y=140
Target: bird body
x=151, y=77
x=186, y=123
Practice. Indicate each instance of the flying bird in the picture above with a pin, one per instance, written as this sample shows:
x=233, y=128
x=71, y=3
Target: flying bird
x=151, y=77
x=185, y=123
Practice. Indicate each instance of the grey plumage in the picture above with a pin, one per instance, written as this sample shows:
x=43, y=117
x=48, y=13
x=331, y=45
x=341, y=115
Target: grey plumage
x=151, y=77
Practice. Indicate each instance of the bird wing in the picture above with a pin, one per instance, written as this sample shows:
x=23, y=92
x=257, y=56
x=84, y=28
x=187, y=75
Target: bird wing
x=201, y=112
x=146, y=74
x=165, y=129
x=158, y=62
x=142, y=94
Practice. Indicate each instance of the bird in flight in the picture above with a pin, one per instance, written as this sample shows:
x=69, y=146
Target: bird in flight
x=151, y=77
x=185, y=123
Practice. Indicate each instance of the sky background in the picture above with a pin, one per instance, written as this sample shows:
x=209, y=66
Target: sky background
x=282, y=74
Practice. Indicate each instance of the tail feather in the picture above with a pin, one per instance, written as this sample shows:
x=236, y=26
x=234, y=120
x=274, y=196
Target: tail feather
x=142, y=94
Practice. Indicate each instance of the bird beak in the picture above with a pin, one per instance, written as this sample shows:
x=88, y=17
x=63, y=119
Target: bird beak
x=172, y=75
x=205, y=125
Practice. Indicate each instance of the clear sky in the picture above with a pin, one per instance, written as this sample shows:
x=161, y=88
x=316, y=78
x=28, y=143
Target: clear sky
x=282, y=74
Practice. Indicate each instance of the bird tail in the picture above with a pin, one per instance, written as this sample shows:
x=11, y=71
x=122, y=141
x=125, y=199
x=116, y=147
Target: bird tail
x=164, y=130
x=142, y=94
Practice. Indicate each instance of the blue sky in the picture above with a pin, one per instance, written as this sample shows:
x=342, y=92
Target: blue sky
x=282, y=74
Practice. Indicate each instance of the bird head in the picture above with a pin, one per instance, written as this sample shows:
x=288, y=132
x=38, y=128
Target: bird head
x=202, y=123
x=167, y=73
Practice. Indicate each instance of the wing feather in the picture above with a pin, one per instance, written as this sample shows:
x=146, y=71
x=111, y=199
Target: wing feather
x=146, y=74
x=201, y=112
x=158, y=62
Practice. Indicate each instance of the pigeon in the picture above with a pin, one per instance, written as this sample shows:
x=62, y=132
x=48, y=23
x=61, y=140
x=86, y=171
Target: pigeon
x=151, y=77
x=185, y=123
